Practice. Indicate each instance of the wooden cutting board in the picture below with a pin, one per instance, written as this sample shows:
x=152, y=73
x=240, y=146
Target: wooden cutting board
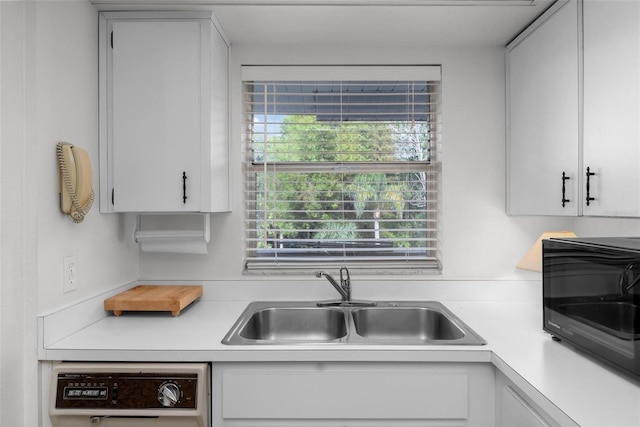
x=153, y=298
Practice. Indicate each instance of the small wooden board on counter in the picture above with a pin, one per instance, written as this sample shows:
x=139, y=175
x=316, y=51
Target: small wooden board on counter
x=154, y=298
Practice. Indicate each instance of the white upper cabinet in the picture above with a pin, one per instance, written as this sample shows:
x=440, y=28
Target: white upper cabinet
x=574, y=109
x=164, y=113
x=543, y=125
x=611, y=107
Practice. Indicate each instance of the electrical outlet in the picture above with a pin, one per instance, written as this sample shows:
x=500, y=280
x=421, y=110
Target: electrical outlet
x=70, y=274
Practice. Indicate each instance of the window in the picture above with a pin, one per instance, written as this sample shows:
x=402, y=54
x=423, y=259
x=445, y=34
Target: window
x=341, y=167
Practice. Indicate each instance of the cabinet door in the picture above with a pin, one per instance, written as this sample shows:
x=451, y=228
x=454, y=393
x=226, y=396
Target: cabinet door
x=155, y=122
x=543, y=119
x=353, y=394
x=517, y=413
x=611, y=107
x=516, y=407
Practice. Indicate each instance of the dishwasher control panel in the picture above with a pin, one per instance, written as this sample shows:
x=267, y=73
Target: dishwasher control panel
x=127, y=387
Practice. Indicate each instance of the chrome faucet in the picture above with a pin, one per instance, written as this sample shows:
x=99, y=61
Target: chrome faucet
x=627, y=280
x=344, y=287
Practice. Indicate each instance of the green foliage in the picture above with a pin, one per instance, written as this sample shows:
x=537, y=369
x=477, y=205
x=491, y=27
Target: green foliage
x=339, y=205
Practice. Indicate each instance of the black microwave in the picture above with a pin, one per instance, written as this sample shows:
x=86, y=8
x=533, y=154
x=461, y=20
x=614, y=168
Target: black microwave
x=591, y=297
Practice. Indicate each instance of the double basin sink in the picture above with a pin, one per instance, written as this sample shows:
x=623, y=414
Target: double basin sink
x=394, y=323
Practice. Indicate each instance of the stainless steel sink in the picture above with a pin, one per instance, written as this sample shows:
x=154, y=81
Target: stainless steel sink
x=308, y=324
x=393, y=323
x=405, y=323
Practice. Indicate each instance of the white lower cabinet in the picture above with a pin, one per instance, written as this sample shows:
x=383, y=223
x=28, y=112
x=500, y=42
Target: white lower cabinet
x=516, y=408
x=353, y=394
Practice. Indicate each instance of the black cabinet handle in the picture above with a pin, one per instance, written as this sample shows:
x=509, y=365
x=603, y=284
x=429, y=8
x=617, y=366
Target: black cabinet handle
x=184, y=187
x=564, y=179
x=589, y=175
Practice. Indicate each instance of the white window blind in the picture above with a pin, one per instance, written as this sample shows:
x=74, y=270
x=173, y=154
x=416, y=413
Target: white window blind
x=342, y=167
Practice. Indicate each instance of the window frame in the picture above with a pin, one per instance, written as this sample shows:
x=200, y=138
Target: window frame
x=429, y=73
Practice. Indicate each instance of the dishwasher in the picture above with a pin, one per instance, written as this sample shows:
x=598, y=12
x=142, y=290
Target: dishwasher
x=130, y=394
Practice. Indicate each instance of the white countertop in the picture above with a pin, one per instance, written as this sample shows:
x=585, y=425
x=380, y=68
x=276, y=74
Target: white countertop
x=587, y=391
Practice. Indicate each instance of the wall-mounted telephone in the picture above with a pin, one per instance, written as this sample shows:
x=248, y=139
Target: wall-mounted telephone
x=74, y=171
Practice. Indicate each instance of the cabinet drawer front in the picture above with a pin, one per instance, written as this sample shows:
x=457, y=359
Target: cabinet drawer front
x=345, y=395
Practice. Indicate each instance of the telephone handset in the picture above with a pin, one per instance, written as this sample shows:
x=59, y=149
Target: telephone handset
x=76, y=193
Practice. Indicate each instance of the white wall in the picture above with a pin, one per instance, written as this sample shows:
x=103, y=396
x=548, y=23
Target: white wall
x=479, y=240
x=66, y=109
x=48, y=93
x=17, y=285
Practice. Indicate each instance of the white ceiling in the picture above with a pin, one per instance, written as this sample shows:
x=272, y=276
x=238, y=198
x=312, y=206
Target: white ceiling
x=339, y=22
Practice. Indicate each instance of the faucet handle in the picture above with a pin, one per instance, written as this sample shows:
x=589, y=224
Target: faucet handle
x=345, y=281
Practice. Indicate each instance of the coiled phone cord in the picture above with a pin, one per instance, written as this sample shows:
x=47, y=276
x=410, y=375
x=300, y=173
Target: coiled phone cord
x=80, y=211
